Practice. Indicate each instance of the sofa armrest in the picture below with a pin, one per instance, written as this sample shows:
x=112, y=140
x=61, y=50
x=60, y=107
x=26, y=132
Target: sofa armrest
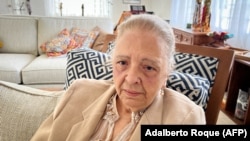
x=22, y=110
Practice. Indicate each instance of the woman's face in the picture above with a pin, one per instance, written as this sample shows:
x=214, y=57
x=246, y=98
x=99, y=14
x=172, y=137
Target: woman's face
x=139, y=68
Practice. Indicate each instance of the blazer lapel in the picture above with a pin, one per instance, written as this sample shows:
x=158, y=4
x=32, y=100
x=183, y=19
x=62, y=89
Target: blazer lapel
x=91, y=116
x=151, y=116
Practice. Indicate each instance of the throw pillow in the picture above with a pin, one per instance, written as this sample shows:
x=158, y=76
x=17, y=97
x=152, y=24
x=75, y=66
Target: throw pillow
x=203, y=66
x=87, y=63
x=59, y=45
x=99, y=42
x=90, y=39
x=194, y=87
x=79, y=35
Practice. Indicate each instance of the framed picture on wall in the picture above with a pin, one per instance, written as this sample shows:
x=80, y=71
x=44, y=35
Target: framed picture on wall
x=132, y=1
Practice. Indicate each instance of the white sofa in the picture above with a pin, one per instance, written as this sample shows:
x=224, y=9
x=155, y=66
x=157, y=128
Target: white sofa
x=22, y=60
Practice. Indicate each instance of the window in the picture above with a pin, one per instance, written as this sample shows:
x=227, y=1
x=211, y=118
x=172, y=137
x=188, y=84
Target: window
x=91, y=8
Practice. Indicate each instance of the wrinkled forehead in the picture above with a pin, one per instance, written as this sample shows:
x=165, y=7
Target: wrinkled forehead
x=138, y=39
x=140, y=45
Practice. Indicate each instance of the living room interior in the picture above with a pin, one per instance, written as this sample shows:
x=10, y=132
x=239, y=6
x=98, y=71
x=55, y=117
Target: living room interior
x=41, y=20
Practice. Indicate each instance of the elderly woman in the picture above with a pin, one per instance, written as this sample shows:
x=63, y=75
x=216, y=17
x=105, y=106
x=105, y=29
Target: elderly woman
x=103, y=110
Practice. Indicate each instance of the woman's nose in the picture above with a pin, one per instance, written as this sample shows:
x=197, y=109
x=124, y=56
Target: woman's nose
x=133, y=75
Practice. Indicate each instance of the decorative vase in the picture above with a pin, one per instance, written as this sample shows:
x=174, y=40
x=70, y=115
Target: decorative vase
x=202, y=16
x=196, y=25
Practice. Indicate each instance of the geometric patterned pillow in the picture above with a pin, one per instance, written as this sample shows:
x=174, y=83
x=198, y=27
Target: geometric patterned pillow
x=194, y=87
x=199, y=65
x=87, y=63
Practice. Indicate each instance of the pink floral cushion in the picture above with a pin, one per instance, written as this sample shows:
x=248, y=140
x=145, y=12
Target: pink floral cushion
x=66, y=41
x=59, y=45
x=79, y=35
x=90, y=39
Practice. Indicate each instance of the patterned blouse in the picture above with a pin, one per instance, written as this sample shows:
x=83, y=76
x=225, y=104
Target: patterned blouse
x=106, y=126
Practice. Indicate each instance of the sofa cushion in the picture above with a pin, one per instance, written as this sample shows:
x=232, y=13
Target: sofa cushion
x=100, y=40
x=12, y=64
x=45, y=70
x=203, y=66
x=48, y=27
x=60, y=44
x=199, y=65
x=194, y=87
x=92, y=36
x=22, y=110
x=87, y=63
x=21, y=38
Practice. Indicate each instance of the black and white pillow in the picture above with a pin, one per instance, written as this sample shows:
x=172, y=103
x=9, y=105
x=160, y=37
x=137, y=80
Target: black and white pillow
x=87, y=63
x=194, y=87
x=194, y=64
x=198, y=65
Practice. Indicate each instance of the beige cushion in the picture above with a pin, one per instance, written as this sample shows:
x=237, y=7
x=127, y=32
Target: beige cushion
x=22, y=109
x=45, y=70
x=19, y=35
x=12, y=64
x=99, y=42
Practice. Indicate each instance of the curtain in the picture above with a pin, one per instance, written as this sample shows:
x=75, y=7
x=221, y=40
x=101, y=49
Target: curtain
x=240, y=24
x=181, y=12
x=230, y=16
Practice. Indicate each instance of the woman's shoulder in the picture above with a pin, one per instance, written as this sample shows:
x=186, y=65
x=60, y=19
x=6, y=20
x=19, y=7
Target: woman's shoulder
x=83, y=82
x=90, y=87
x=82, y=92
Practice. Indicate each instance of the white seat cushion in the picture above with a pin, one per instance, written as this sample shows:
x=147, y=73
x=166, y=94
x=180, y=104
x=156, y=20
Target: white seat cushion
x=11, y=66
x=45, y=70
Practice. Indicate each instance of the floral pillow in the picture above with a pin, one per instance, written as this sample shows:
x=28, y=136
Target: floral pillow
x=92, y=35
x=59, y=45
x=79, y=35
x=66, y=41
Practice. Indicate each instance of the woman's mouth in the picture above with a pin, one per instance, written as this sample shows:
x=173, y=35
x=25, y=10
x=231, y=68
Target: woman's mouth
x=132, y=93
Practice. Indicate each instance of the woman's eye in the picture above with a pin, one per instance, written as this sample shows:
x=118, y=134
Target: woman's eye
x=122, y=62
x=149, y=68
